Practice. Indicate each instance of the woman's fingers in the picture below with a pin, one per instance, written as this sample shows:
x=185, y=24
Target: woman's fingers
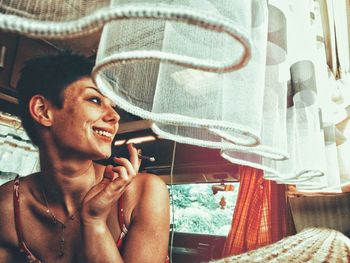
x=123, y=173
x=102, y=197
x=132, y=166
x=139, y=160
x=123, y=162
x=116, y=178
x=134, y=159
x=113, y=184
x=115, y=188
x=108, y=173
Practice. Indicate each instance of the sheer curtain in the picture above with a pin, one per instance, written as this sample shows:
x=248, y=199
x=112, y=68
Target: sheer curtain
x=275, y=113
x=335, y=18
x=336, y=29
x=190, y=103
x=325, y=44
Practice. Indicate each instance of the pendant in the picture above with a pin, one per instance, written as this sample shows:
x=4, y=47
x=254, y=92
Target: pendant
x=62, y=241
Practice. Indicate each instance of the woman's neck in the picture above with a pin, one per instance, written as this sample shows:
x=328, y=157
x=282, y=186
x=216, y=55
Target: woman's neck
x=66, y=182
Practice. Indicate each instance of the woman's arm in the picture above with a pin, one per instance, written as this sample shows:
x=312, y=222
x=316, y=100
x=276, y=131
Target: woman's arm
x=98, y=244
x=97, y=241
x=148, y=235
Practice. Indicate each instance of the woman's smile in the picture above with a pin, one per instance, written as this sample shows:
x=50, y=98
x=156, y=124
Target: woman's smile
x=103, y=134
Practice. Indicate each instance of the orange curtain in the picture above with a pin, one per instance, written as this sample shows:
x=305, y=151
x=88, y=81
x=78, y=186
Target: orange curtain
x=261, y=216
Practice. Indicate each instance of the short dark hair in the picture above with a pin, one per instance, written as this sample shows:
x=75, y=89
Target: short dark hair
x=48, y=75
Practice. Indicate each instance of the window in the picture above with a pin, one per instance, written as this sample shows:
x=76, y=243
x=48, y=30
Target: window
x=196, y=209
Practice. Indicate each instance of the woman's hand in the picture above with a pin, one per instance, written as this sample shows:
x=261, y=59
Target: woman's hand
x=99, y=200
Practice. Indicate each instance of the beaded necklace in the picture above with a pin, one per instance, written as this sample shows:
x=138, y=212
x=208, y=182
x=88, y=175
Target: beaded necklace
x=62, y=225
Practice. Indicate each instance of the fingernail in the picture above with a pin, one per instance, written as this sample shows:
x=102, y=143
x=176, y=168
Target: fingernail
x=108, y=173
x=108, y=176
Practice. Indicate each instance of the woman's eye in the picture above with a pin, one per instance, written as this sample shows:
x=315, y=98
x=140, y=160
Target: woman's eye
x=95, y=100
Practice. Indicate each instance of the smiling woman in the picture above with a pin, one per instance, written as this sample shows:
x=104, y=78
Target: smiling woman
x=111, y=214
x=89, y=118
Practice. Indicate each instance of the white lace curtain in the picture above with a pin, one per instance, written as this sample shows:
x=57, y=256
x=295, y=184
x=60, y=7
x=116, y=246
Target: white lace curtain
x=301, y=115
x=243, y=76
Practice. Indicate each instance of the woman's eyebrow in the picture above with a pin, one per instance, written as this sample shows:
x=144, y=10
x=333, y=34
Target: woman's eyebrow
x=95, y=89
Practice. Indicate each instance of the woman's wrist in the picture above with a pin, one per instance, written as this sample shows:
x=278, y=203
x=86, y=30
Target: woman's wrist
x=98, y=243
x=94, y=226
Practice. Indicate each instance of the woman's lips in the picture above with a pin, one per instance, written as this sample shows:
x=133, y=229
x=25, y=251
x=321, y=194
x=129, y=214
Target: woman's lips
x=103, y=134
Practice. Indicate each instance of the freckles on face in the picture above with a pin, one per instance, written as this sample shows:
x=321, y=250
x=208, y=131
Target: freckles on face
x=69, y=119
x=76, y=104
x=82, y=121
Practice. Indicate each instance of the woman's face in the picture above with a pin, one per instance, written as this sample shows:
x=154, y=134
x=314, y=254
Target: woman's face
x=87, y=122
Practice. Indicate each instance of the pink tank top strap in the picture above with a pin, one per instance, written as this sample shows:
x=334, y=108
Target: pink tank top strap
x=121, y=221
x=18, y=224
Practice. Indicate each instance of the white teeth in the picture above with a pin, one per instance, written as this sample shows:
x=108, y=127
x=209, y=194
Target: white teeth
x=104, y=133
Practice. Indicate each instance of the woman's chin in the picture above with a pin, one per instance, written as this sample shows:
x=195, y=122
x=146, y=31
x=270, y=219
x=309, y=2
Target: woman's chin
x=102, y=155
x=105, y=155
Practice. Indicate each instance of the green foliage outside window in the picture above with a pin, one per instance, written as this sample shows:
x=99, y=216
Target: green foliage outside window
x=197, y=210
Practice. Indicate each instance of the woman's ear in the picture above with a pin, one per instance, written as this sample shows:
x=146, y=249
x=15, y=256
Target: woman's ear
x=40, y=109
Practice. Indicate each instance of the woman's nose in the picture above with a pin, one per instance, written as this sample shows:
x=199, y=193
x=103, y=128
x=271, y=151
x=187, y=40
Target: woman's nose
x=112, y=116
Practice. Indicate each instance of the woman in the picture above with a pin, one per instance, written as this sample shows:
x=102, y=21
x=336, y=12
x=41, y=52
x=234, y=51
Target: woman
x=74, y=210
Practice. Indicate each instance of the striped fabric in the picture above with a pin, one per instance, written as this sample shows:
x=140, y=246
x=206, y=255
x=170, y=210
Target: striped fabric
x=260, y=217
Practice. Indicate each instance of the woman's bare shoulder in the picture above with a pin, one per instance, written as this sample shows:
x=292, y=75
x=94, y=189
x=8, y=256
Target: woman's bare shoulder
x=7, y=221
x=7, y=229
x=148, y=183
x=7, y=189
x=150, y=188
x=152, y=202
x=145, y=188
x=149, y=179
x=6, y=195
